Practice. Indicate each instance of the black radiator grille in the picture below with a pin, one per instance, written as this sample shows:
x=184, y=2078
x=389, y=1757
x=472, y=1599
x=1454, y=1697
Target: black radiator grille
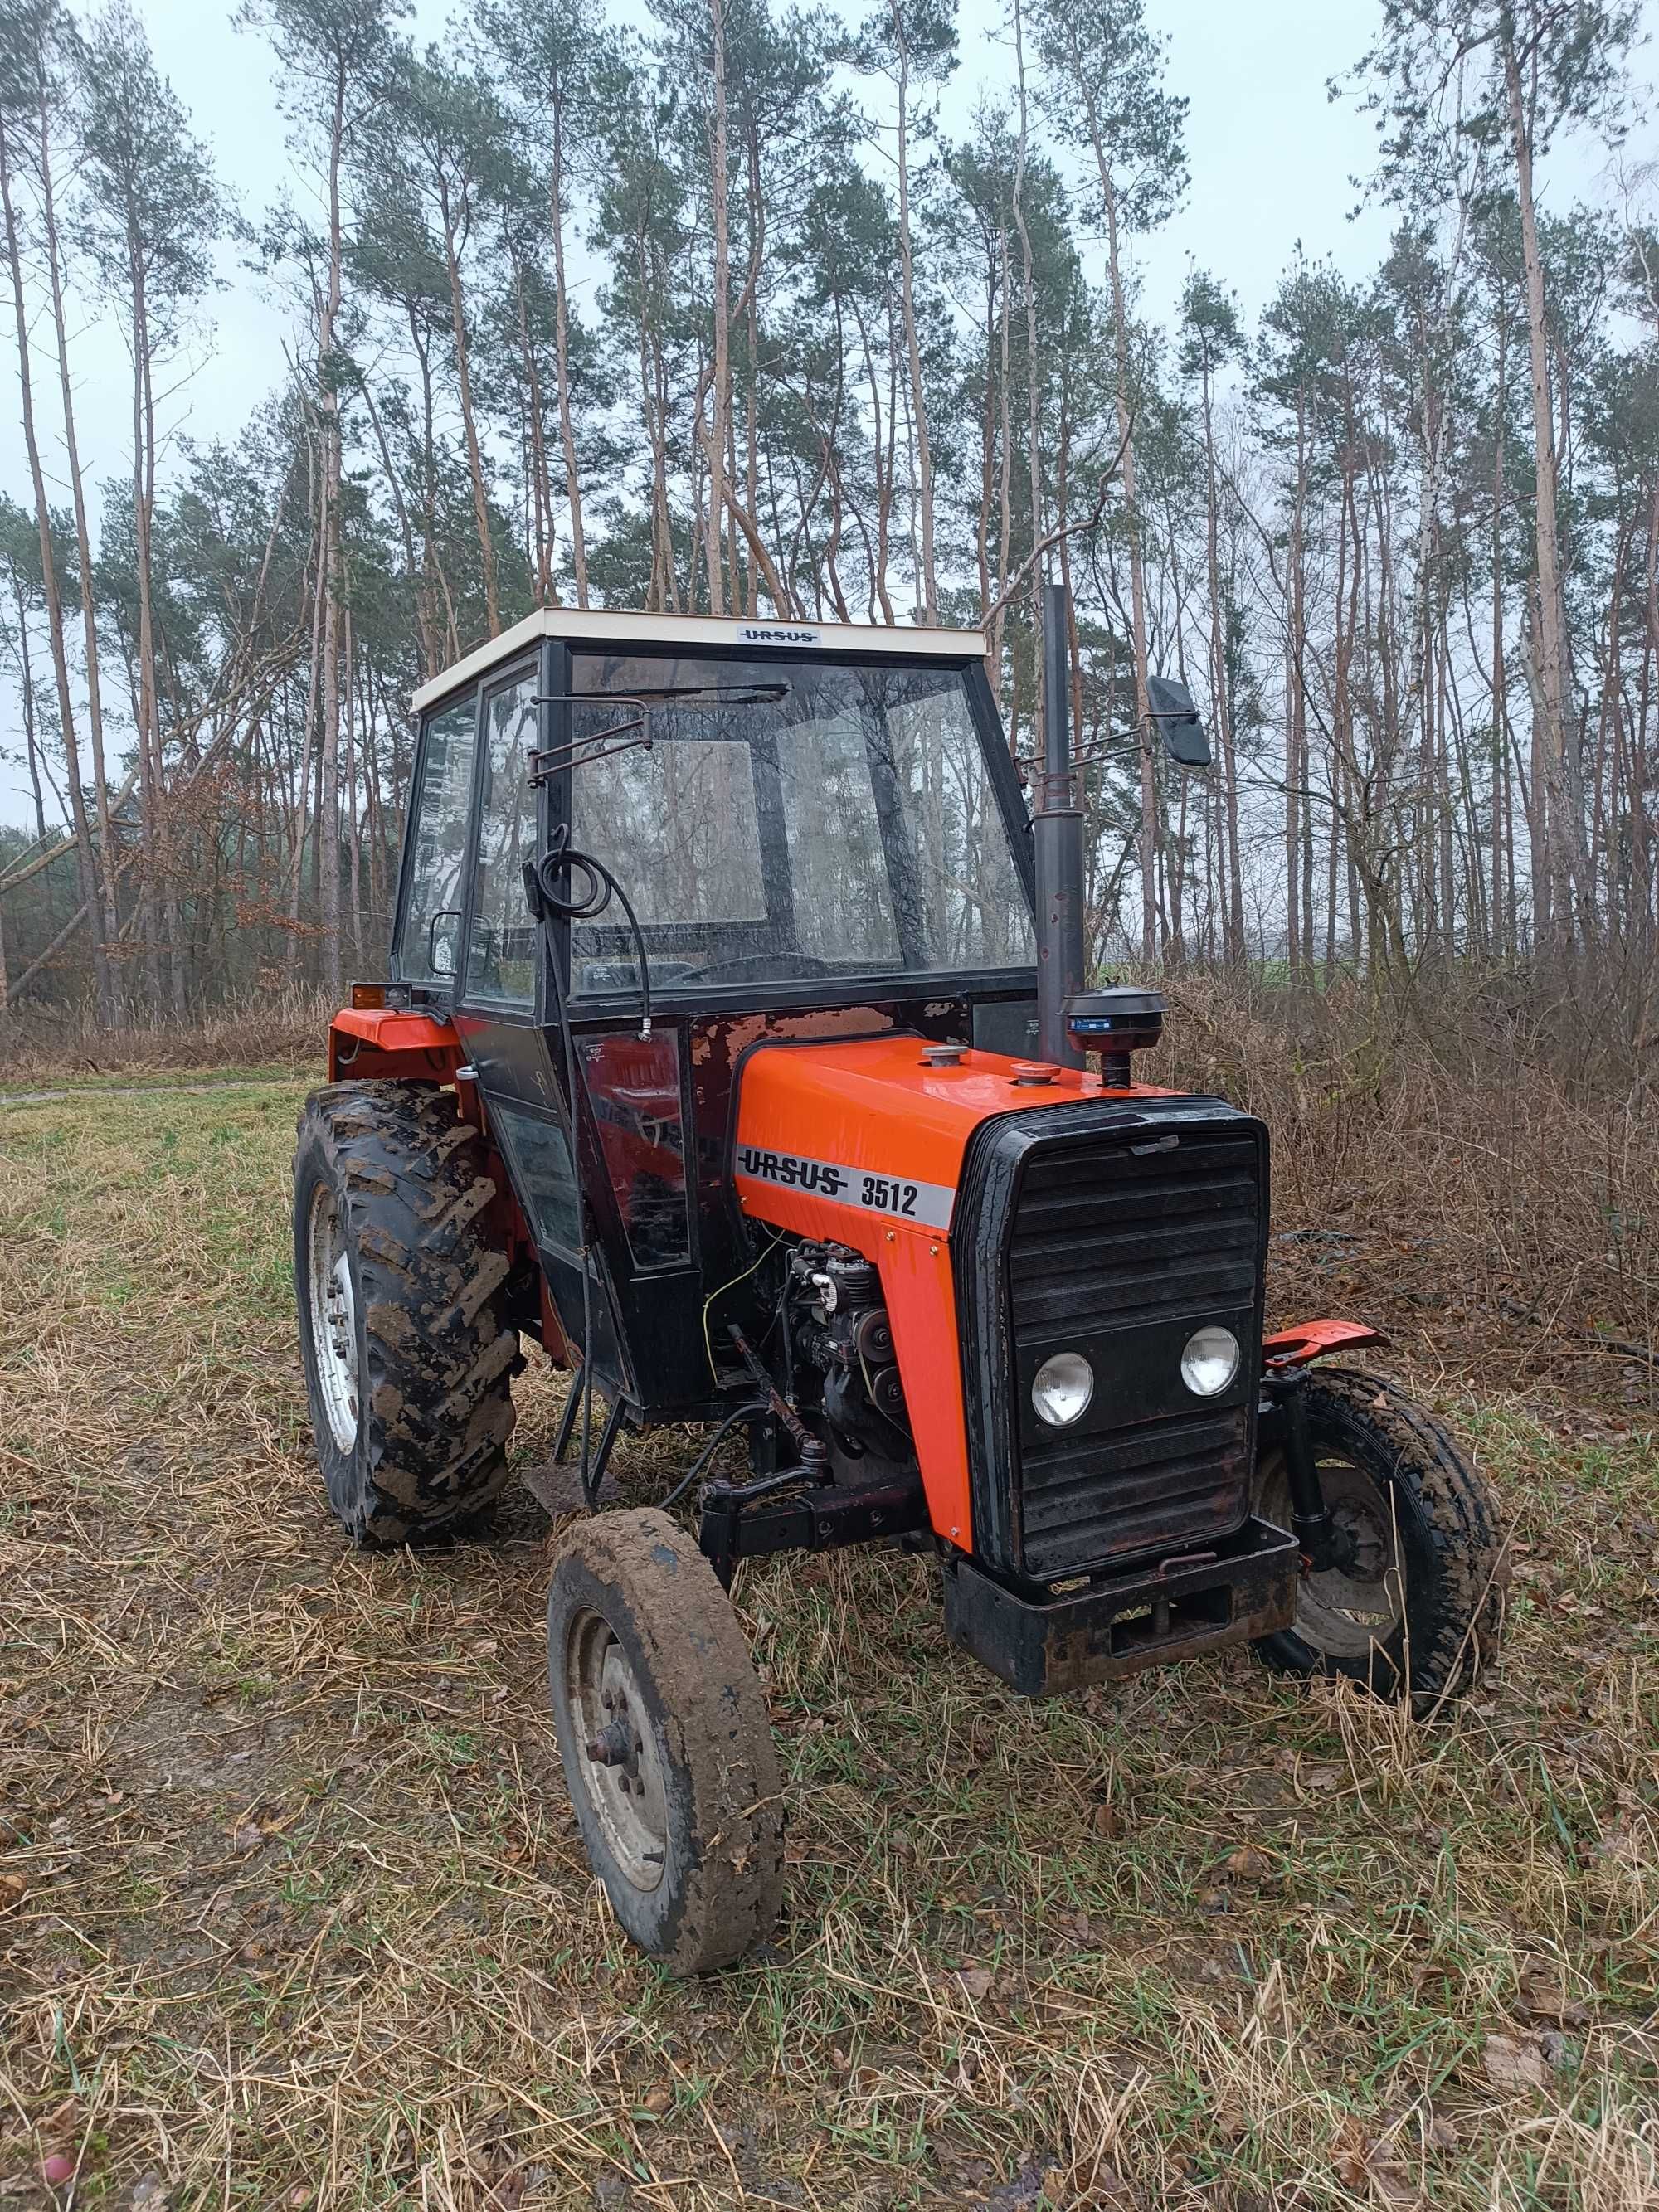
x=1107, y=1237
x=1120, y=1248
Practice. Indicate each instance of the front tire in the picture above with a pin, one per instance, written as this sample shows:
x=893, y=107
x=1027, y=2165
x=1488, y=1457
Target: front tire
x=409, y=1352
x=1414, y=1606
x=666, y=1744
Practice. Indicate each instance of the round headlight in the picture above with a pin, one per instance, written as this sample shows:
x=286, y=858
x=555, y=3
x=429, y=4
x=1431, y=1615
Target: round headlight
x=1209, y=1361
x=1061, y=1388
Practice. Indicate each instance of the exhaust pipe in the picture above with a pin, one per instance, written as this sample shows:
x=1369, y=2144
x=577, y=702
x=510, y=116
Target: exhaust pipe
x=1057, y=834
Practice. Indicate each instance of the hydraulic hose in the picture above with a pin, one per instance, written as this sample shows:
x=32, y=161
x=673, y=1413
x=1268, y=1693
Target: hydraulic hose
x=562, y=865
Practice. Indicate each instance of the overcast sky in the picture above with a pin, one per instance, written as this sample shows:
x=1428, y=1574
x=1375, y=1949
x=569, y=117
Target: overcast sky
x=1273, y=161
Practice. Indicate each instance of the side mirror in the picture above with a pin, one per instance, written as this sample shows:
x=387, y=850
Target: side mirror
x=1172, y=711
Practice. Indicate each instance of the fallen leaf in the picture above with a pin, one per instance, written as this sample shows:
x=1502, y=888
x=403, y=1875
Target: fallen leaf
x=1322, y=1777
x=1544, y=1996
x=658, y=2099
x=247, y=1838
x=1108, y=1821
x=1247, y=1863
x=13, y=1890
x=1514, y=2063
x=976, y=1982
x=1348, y=2153
x=1392, y=2180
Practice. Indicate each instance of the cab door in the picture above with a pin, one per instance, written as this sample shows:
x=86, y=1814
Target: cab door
x=501, y=990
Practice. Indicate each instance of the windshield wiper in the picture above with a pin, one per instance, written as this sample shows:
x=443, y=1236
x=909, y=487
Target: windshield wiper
x=636, y=729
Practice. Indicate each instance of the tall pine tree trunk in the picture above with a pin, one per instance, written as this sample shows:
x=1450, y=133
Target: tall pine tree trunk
x=85, y=867
x=106, y=912
x=1149, y=823
x=720, y=390
x=562, y=355
x=1563, y=839
x=929, y=578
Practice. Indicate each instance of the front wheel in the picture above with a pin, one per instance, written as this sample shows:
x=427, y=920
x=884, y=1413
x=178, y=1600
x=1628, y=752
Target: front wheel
x=666, y=1741
x=1412, y=1604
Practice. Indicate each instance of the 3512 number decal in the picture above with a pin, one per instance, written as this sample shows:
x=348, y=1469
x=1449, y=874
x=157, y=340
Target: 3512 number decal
x=888, y=1196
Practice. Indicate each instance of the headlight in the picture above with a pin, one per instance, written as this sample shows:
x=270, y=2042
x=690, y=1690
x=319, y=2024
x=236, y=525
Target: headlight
x=1061, y=1388
x=1209, y=1361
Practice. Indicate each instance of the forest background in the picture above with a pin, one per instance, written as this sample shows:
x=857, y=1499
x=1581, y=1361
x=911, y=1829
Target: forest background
x=741, y=306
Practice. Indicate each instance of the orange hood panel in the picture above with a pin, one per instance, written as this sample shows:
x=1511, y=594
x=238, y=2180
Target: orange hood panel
x=872, y=1128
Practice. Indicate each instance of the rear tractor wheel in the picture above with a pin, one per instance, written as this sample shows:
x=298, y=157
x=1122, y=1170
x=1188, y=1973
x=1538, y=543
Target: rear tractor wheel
x=1411, y=1605
x=408, y=1353
x=667, y=1745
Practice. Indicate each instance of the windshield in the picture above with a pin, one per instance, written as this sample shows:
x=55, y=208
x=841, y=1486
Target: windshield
x=825, y=821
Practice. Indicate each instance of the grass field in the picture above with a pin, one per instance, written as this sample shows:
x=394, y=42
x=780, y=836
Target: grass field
x=292, y=1910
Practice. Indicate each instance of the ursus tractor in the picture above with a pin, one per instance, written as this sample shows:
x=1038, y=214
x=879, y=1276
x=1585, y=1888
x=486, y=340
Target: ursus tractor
x=738, y=1051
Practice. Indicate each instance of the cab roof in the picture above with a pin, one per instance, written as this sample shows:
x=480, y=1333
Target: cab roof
x=619, y=627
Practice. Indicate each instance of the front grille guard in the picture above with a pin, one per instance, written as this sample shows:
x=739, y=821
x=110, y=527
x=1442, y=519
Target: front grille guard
x=982, y=1224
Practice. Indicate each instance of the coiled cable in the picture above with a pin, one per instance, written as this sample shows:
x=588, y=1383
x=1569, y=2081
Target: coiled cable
x=561, y=862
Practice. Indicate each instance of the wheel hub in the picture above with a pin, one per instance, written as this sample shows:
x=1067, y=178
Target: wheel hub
x=620, y=1769
x=333, y=1314
x=1359, y=1600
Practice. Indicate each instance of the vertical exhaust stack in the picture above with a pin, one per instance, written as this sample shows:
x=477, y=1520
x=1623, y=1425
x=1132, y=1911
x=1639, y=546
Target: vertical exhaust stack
x=1057, y=833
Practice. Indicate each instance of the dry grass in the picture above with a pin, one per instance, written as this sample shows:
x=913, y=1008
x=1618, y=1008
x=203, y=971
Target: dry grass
x=278, y=1025
x=1502, y=1216
x=294, y=1910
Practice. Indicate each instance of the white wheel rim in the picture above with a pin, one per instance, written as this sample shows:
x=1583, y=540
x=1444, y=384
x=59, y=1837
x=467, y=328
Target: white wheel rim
x=333, y=1310
x=1344, y=1612
x=616, y=1750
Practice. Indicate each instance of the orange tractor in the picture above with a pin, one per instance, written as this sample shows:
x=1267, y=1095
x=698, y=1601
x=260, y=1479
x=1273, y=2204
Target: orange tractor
x=737, y=1050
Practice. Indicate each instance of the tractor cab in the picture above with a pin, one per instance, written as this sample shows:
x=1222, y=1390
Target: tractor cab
x=811, y=832
x=739, y=1048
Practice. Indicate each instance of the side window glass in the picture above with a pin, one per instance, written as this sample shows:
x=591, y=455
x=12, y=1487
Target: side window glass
x=432, y=919
x=546, y=1180
x=501, y=959
x=635, y=1090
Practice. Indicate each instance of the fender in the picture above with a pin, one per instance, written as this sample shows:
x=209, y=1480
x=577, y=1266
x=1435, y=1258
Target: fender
x=365, y=1043
x=368, y=1044
x=1311, y=1340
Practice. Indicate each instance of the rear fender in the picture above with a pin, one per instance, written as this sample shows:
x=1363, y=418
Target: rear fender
x=378, y=1043
x=383, y=1044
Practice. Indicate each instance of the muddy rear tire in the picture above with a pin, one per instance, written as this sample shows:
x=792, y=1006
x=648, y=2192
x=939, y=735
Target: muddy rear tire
x=1416, y=1605
x=409, y=1352
x=666, y=1741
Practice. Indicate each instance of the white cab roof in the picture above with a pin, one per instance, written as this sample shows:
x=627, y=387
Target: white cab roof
x=577, y=626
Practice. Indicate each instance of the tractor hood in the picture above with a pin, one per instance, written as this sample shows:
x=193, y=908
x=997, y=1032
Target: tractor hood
x=844, y=1140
